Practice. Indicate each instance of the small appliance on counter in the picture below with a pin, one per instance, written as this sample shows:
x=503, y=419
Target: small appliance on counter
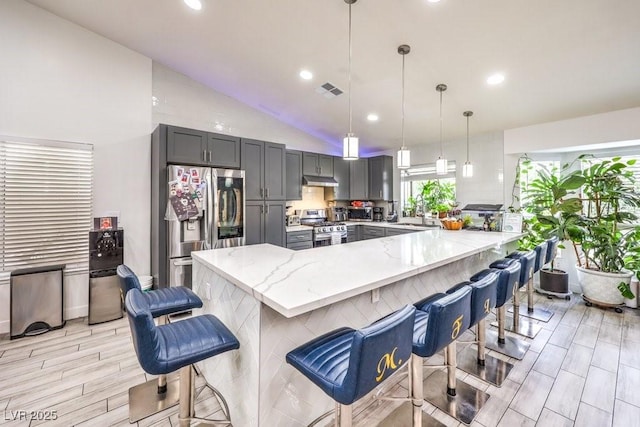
x=337, y=213
x=378, y=214
x=293, y=220
x=392, y=215
x=363, y=213
x=484, y=217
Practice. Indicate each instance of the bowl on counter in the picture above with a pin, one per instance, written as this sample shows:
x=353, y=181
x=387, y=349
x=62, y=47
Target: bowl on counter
x=451, y=224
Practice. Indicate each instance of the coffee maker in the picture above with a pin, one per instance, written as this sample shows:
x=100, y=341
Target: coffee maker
x=378, y=214
x=392, y=215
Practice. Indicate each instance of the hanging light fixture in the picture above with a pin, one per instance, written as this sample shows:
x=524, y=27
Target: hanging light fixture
x=404, y=156
x=441, y=164
x=467, y=169
x=350, y=141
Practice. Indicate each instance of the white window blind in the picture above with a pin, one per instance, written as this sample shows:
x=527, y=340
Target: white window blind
x=45, y=204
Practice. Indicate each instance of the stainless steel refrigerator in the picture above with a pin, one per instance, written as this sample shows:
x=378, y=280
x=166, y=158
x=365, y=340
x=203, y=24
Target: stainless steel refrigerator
x=219, y=196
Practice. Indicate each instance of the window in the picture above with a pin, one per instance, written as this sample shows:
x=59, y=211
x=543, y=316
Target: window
x=412, y=181
x=45, y=204
x=529, y=171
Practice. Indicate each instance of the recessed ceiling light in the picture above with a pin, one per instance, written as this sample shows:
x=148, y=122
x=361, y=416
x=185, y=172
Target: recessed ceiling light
x=373, y=117
x=433, y=1
x=194, y=4
x=495, y=79
x=306, y=75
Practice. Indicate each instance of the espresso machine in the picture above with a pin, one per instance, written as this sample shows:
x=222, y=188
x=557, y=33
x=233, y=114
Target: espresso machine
x=378, y=214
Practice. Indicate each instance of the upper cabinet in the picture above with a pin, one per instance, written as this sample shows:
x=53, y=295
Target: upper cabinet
x=264, y=166
x=381, y=178
x=193, y=147
x=317, y=164
x=294, y=175
x=342, y=174
x=359, y=179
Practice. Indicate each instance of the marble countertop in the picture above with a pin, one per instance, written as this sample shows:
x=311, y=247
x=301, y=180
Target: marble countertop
x=296, y=282
x=299, y=228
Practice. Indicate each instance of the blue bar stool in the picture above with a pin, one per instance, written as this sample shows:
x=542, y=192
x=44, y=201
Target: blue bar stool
x=347, y=364
x=440, y=319
x=177, y=346
x=508, y=271
x=519, y=325
x=477, y=363
x=531, y=311
x=156, y=395
x=552, y=249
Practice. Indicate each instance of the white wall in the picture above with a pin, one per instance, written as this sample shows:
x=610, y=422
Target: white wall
x=59, y=81
x=182, y=101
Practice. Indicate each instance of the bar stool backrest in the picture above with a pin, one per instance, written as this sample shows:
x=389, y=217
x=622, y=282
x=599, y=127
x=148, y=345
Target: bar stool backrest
x=377, y=351
x=552, y=249
x=541, y=256
x=146, y=339
x=128, y=279
x=508, y=271
x=449, y=316
x=483, y=297
x=527, y=265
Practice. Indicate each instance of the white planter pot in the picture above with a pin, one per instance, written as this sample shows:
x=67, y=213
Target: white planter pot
x=601, y=287
x=633, y=303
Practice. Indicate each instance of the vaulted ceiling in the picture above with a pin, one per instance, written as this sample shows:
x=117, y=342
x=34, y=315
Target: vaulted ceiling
x=561, y=59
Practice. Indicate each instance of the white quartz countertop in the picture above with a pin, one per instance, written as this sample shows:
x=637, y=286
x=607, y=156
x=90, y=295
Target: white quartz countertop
x=296, y=282
x=298, y=228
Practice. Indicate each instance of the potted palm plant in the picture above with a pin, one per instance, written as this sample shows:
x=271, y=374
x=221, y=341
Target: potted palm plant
x=591, y=208
x=438, y=196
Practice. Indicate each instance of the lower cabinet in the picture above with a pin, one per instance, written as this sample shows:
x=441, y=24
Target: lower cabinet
x=353, y=233
x=265, y=222
x=369, y=232
x=397, y=231
x=297, y=240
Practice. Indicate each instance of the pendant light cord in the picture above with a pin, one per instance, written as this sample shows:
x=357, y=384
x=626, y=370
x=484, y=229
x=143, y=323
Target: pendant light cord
x=441, y=148
x=403, y=102
x=467, y=139
x=350, y=132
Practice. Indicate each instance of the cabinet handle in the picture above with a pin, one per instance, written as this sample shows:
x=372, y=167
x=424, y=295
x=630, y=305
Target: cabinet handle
x=261, y=193
x=209, y=156
x=301, y=237
x=267, y=209
x=320, y=168
x=380, y=193
x=266, y=193
x=261, y=209
x=204, y=155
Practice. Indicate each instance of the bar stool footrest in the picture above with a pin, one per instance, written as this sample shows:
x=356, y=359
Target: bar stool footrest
x=512, y=347
x=463, y=407
x=494, y=370
x=145, y=401
x=538, y=313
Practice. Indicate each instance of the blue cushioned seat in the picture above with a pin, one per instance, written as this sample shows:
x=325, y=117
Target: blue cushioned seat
x=161, y=301
x=483, y=296
x=347, y=364
x=541, y=256
x=508, y=271
x=167, y=348
x=527, y=265
x=552, y=248
x=439, y=320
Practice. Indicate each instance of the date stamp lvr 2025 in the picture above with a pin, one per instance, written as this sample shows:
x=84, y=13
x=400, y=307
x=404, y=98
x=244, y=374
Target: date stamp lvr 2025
x=22, y=415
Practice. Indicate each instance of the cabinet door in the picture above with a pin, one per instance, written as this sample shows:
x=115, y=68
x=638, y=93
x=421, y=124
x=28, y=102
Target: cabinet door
x=186, y=146
x=254, y=225
x=224, y=151
x=310, y=164
x=274, y=171
x=325, y=165
x=359, y=179
x=294, y=175
x=341, y=174
x=275, y=231
x=381, y=178
x=252, y=162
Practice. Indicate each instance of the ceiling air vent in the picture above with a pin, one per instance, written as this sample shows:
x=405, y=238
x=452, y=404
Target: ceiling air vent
x=329, y=90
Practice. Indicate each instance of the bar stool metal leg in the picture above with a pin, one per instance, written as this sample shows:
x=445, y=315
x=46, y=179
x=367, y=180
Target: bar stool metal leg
x=530, y=310
x=500, y=342
x=522, y=326
x=478, y=364
x=185, y=411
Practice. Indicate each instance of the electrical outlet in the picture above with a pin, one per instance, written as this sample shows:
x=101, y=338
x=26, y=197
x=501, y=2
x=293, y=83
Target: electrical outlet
x=375, y=295
x=207, y=291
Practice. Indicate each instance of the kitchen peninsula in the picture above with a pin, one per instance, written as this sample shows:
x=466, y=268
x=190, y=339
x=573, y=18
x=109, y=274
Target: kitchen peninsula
x=274, y=299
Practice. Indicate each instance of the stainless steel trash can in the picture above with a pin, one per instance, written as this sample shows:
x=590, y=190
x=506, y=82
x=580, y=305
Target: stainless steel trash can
x=105, y=297
x=37, y=296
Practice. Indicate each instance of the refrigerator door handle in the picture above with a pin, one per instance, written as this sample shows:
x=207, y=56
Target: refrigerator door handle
x=179, y=263
x=210, y=227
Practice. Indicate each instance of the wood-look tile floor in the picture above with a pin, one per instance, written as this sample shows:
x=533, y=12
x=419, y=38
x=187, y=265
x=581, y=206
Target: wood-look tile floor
x=583, y=369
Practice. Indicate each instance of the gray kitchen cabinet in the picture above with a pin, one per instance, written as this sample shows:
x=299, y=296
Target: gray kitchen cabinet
x=381, y=178
x=369, y=232
x=265, y=222
x=359, y=179
x=194, y=147
x=352, y=233
x=293, y=185
x=264, y=166
x=297, y=240
x=317, y=164
x=341, y=173
x=397, y=231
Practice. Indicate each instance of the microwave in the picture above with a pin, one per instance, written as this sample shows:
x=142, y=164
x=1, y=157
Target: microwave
x=359, y=214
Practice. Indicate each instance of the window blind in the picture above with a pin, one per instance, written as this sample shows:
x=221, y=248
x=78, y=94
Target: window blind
x=45, y=204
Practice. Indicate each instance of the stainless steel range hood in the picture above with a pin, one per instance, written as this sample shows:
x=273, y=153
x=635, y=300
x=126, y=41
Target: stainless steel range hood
x=319, y=181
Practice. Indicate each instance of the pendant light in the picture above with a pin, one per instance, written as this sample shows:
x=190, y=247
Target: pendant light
x=467, y=169
x=404, y=156
x=350, y=141
x=441, y=164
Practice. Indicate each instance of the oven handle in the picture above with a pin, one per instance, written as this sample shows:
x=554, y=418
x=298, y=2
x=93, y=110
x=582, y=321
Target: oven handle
x=179, y=263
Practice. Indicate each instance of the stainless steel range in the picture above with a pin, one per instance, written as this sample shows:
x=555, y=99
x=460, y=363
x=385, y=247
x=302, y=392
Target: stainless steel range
x=325, y=232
